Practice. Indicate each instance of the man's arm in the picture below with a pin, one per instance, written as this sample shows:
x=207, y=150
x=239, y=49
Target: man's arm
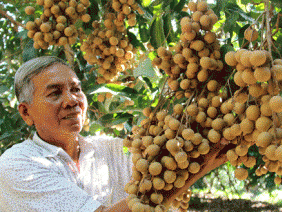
x=120, y=206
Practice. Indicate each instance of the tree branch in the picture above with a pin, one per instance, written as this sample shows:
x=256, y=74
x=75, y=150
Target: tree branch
x=16, y=23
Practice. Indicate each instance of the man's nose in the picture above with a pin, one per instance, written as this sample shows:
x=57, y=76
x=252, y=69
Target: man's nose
x=70, y=99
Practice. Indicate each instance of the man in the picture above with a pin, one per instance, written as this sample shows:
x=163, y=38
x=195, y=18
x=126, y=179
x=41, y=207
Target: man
x=58, y=170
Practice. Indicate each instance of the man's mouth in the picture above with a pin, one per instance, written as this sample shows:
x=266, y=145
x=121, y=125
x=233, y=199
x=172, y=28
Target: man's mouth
x=71, y=116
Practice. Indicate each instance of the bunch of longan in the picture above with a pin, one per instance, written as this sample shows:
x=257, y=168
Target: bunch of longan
x=125, y=10
x=109, y=48
x=56, y=26
x=260, y=116
x=196, y=55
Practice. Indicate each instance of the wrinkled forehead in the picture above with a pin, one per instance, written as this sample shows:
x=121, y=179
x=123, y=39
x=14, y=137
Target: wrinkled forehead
x=55, y=74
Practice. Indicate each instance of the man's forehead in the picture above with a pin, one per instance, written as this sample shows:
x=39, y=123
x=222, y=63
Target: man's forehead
x=56, y=75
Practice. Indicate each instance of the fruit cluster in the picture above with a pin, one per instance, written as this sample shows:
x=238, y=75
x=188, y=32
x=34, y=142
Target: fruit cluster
x=171, y=143
x=108, y=46
x=260, y=118
x=197, y=54
x=56, y=26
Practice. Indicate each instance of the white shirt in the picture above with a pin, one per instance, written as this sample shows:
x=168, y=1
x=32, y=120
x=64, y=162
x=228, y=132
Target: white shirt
x=38, y=176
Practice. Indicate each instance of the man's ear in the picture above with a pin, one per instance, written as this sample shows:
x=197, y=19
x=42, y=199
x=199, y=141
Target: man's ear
x=23, y=109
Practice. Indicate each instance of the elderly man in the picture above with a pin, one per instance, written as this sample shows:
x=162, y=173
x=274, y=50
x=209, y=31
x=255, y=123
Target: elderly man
x=58, y=170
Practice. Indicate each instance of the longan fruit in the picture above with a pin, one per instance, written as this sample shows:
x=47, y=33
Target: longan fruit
x=196, y=16
x=230, y=58
x=86, y=18
x=62, y=41
x=253, y=112
x=45, y=27
x=241, y=173
x=248, y=77
x=202, y=6
x=29, y=10
x=197, y=45
x=214, y=136
x=61, y=19
x=251, y=34
x=178, y=109
x=155, y=168
x=192, y=6
x=48, y=3
x=258, y=58
x=210, y=37
x=212, y=85
x=157, y=199
x=262, y=74
x=194, y=167
x=86, y=3
x=275, y=104
x=205, y=20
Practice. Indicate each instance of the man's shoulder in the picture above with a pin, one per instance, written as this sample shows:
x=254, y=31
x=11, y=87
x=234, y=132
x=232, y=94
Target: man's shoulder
x=102, y=139
x=21, y=150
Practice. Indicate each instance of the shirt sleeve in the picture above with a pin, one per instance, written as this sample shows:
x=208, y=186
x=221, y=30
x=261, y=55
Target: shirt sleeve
x=31, y=184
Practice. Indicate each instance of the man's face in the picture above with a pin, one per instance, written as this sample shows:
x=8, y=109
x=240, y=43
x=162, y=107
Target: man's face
x=59, y=106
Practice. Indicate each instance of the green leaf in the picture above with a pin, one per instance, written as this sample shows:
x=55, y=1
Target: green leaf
x=114, y=119
x=122, y=89
x=145, y=69
x=241, y=34
x=157, y=33
x=3, y=89
x=134, y=41
x=144, y=32
x=146, y=3
x=230, y=23
x=168, y=29
x=178, y=8
x=29, y=51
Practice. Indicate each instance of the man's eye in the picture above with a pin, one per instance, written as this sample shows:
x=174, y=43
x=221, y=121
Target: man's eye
x=55, y=93
x=76, y=89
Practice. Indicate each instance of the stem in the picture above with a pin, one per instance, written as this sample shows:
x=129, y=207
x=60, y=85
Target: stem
x=16, y=23
x=69, y=54
x=268, y=29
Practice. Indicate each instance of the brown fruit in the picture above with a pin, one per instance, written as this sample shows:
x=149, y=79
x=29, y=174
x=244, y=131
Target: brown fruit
x=251, y=34
x=29, y=10
x=48, y=3
x=230, y=58
x=194, y=167
x=258, y=58
x=86, y=18
x=169, y=176
x=155, y=168
x=241, y=173
x=192, y=6
x=196, y=16
x=205, y=20
x=275, y=104
x=262, y=74
x=202, y=6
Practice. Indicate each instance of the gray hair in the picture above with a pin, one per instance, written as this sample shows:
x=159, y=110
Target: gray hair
x=24, y=87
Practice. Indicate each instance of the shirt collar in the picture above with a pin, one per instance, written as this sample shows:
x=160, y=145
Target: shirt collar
x=49, y=150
